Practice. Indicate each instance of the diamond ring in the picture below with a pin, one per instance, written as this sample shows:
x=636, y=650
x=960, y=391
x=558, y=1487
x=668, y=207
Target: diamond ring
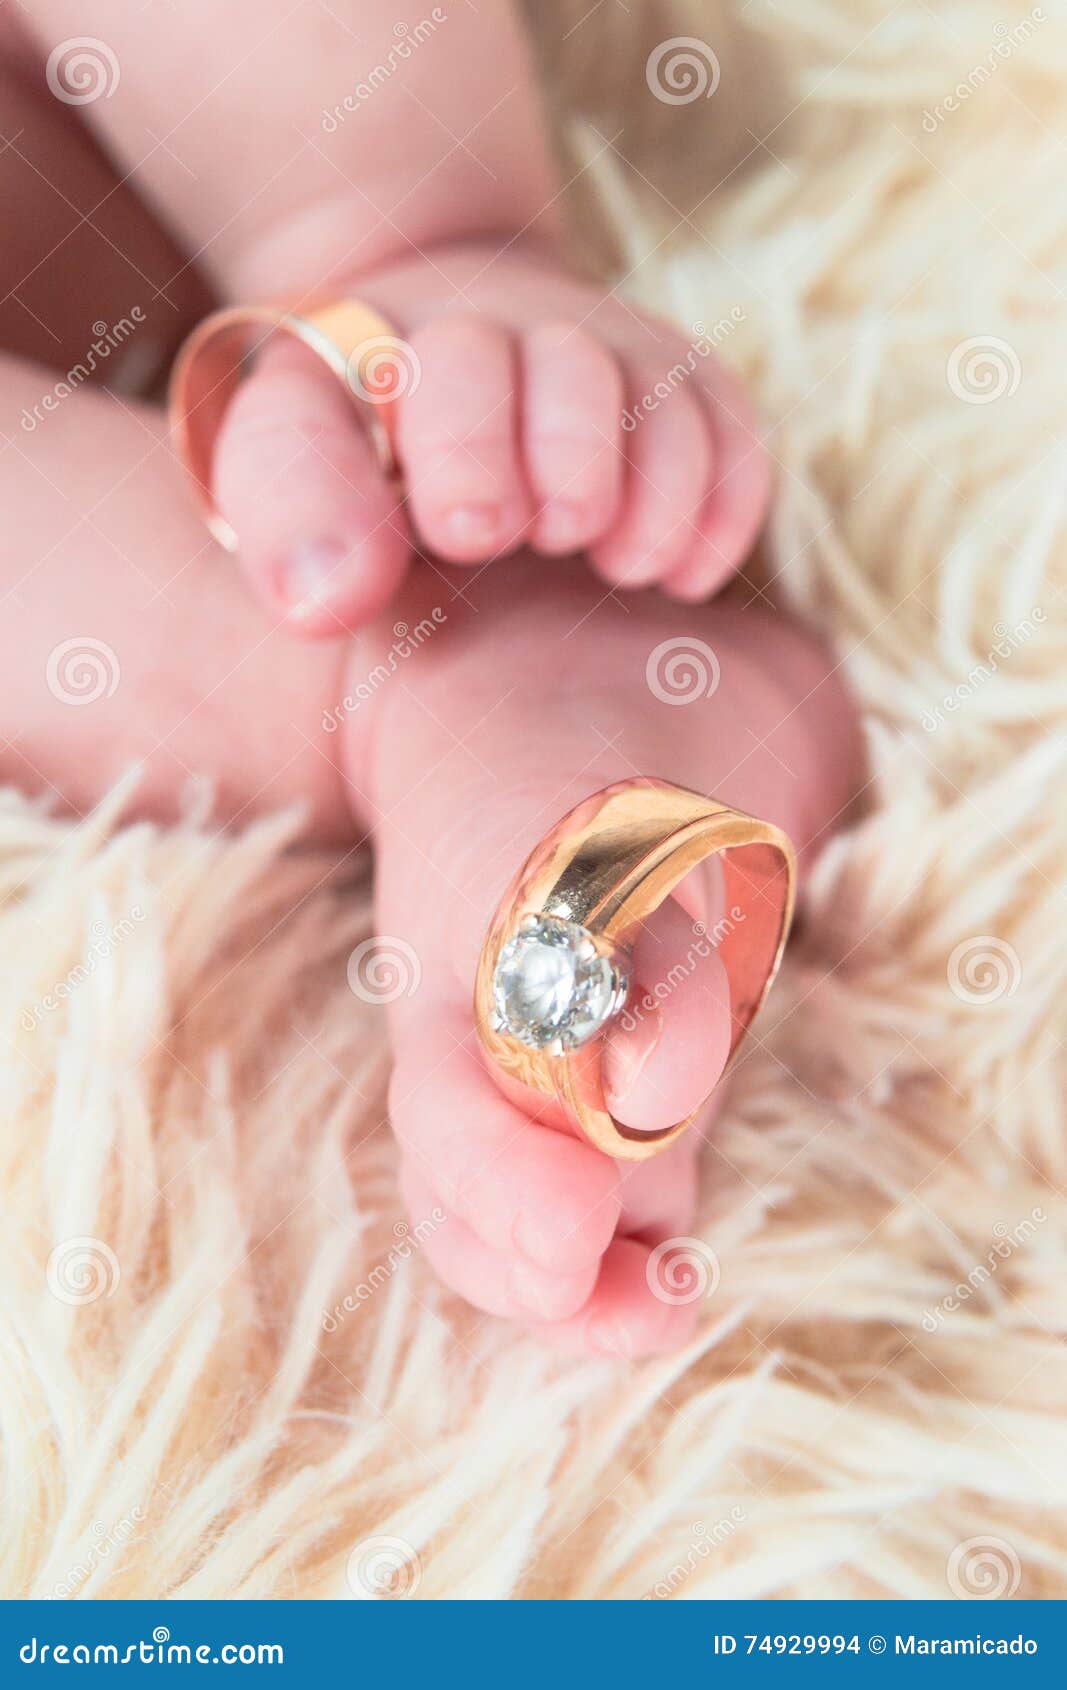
x=555, y=969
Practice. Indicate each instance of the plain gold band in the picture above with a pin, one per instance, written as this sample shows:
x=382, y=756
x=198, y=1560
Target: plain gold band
x=212, y=362
x=607, y=865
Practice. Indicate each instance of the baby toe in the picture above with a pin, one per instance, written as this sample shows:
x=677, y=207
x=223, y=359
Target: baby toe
x=659, y=1196
x=317, y=525
x=668, y=1048
x=572, y=410
x=670, y=466
x=458, y=438
x=518, y=1184
x=501, y=1282
x=736, y=505
x=625, y=1317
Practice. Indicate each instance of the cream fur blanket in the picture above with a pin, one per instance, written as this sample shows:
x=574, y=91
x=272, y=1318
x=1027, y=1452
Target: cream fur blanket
x=195, y=1169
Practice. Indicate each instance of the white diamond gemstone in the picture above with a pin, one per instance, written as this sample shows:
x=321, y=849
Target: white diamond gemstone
x=552, y=986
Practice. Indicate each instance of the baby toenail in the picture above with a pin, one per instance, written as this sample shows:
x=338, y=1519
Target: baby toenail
x=473, y=525
x=538, y=1244
x=312, y=576
x=529, y=1289
x=563, y=522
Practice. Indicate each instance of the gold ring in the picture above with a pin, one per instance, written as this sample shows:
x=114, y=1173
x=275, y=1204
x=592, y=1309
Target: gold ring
x=554, y=967
x=350, y=337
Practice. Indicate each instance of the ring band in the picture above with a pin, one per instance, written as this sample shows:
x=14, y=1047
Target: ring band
x=211, y=363
x=562, y=934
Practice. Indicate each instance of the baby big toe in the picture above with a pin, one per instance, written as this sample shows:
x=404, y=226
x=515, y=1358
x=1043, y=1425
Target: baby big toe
x=665, y=1053
x=318, y=528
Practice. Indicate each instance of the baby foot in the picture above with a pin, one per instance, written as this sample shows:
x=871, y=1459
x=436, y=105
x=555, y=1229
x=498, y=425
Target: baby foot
x=529, y=409
x=525, y=698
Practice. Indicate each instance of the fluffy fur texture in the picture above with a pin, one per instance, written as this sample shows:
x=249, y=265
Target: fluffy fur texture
x=875, y=1404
